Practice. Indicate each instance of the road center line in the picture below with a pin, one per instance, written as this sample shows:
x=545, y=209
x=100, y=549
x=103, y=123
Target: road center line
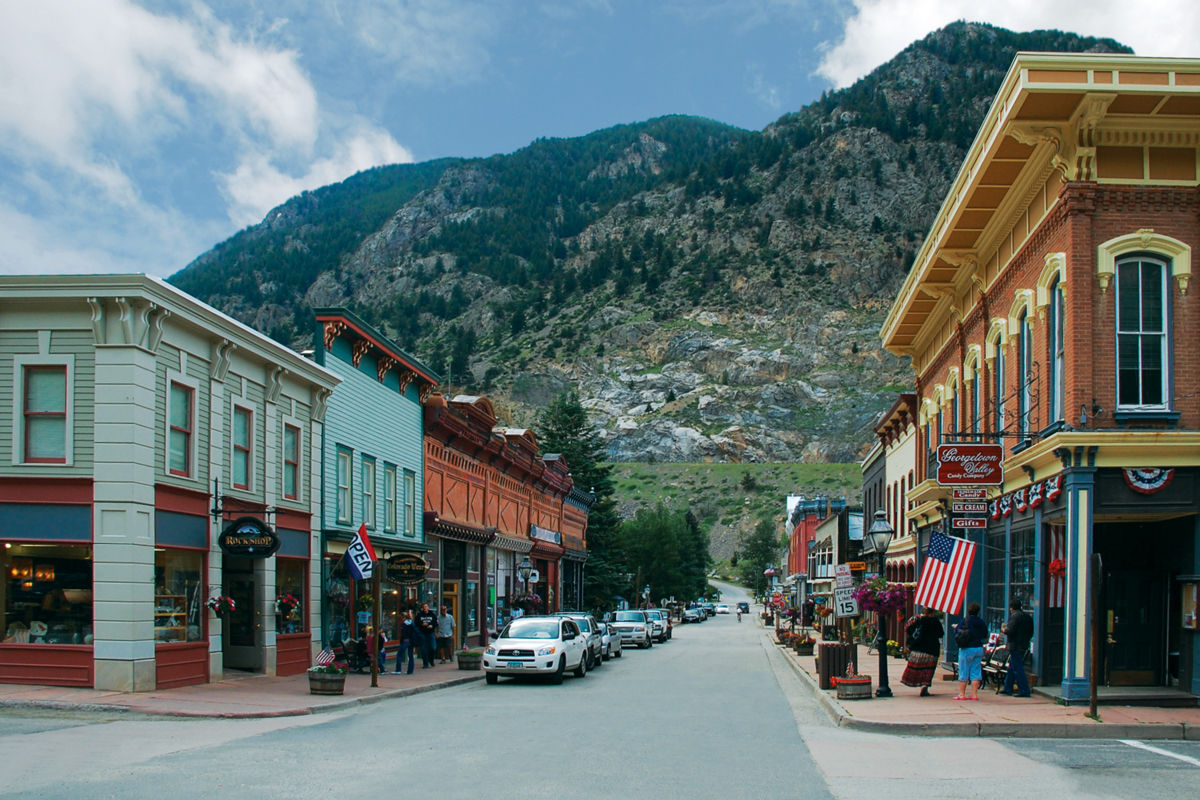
x=1195, y=762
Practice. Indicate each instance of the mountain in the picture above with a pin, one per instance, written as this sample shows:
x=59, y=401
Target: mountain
x=713, y=293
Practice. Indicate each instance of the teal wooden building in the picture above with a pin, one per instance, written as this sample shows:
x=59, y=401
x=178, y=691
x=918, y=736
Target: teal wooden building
x=372, y=467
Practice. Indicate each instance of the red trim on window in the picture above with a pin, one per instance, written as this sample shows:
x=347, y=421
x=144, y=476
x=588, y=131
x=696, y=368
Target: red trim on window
x=293, y=520
x=47, y=664
x=180, y=663
x=291, y=465
x=27, y=413
x=57, y=491
x=246, y=448
x=182, y=501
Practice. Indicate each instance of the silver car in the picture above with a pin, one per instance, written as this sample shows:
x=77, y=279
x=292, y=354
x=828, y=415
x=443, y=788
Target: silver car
x=634, y=628
x=610, y=637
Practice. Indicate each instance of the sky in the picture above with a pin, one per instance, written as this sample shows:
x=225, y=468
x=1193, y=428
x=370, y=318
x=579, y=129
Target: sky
x=136, y=135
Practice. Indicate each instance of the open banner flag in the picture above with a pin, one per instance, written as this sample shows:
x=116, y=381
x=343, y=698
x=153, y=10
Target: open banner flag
x=360, y=556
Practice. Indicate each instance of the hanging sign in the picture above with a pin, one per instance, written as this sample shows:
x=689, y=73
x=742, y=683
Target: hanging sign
x=844, y=604
x=841, y=573
x=545, y=534
x=407, y=569
x=968, y=522
x=968, y=508
x=249, y=537
x=962, y=464
x=968, y=493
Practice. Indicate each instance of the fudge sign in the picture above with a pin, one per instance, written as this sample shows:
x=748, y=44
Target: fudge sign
x=970, y=464
x=249, y=537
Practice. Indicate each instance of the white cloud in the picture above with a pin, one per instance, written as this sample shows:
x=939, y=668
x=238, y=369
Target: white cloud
x=879, y=29
x=429, y=41
x=764, y=92
x=257, y=186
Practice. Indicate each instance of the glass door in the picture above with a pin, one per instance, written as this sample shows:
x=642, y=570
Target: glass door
x=242, y=644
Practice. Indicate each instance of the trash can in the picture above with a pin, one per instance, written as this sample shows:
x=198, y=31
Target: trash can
x=833, y=657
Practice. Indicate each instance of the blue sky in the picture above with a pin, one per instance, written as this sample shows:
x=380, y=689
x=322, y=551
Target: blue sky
x=134, y=136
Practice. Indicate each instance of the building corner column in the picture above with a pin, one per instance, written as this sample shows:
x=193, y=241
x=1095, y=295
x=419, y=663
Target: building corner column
x=1080, y=490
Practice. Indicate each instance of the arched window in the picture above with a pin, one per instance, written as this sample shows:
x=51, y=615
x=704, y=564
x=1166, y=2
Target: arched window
x=998, y=388
x=1142, y=334
x=1024, y=368
x=1056, y=329
x=976, y=383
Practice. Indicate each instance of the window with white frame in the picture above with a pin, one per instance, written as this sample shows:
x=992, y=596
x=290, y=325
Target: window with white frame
x=243, y=447
x=1024, y=368
x=180, y=406
x=410, y=490
x=389, y=498
x=368, y=491
x=44, y=408
x=1058, y=348
x=1142, y=339
x=998, y=387
x=291, y=462
x=344, y=474
x=975, y=400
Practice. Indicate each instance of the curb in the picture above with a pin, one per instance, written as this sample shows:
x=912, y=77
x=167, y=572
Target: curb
x=994, y=730
x=323, y=708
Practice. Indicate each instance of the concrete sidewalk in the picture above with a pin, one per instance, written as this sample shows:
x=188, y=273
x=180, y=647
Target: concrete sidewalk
x=991, y=715
x=238, y=697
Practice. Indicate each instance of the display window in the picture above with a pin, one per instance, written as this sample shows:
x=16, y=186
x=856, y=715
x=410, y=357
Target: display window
x=291, y=582
x=46, y=595
x=338, y=598
x=471, y=605
x=178, y=596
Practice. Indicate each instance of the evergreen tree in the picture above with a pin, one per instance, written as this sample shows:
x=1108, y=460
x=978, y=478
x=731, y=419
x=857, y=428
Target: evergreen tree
x=563, y=427
x=758, y=550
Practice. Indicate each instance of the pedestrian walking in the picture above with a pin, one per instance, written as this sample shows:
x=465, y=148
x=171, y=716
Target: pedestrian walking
x=426, y=627
x=409, y=641
x=1019, y=633
x=445, y=636
x=376, y=644
x=969, y=635
x=924, y=640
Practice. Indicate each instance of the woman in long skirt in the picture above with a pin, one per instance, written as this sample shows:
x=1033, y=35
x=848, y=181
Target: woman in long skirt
x=924, y=636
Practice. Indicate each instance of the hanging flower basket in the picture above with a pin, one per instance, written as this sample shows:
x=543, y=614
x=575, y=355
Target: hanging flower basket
x=285, y=604
x=882, y=597
x=221, y=604
x=1058, y=568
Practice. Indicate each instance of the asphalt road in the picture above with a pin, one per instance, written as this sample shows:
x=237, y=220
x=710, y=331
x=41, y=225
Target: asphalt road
x=715, y=713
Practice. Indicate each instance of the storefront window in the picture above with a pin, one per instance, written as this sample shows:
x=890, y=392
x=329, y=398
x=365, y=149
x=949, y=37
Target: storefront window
x=472, y=606
x=291, y=579
x=996, y=606
x=337, y=602
x=46, y=594
x=1022, y=569
x=178, y=596
x=472, y=558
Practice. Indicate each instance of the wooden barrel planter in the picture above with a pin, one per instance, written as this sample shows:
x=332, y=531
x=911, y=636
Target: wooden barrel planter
x=857, y=688
x=805, y=649
x=327, y=682
x=470, y=659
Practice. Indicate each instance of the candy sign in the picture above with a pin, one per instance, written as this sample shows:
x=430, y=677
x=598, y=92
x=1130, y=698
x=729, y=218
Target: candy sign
x=970, y=465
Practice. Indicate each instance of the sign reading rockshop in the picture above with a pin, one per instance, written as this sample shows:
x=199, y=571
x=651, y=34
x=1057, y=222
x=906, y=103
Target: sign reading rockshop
x=250, y=537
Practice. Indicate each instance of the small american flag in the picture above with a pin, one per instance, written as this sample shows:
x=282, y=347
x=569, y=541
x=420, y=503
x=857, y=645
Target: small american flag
x=1058, y=583
x=324, y=657
x=945, y=572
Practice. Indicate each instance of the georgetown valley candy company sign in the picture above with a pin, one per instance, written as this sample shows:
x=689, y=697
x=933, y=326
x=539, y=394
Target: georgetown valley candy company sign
x=970, y=464
x=250, y=537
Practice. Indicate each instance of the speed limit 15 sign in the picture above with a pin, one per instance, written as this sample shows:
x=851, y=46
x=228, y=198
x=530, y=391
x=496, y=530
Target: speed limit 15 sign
x=844, y=604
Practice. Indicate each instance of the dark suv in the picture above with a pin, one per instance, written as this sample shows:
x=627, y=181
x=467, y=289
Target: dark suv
x=744, y=608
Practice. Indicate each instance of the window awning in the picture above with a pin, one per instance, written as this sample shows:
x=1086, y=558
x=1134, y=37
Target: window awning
x=502, y=542
x=457, y=531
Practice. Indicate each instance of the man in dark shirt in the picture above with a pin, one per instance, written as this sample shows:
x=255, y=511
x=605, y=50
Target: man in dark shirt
x=1019, y=633
x=426, y=627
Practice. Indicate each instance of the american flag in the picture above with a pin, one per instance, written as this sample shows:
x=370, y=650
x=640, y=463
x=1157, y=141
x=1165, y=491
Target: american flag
x=324, y=657
x=1058, y=583
x=945, y=572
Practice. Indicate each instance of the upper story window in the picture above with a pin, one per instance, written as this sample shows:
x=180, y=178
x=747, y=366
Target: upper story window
x=1142, y=355
x=975, y=399
x=344, y=511
x=389, y=498
x=368, y=492
x=243, y=431
x=954, y=423
x=1057, y=345
x=998, y=387
x=45, y=414
x=291, y=462
x=179, y=445
x=410, y=490
x=1024, y=368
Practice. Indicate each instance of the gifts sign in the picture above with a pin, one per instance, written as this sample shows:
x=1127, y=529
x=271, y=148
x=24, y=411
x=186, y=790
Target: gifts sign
x=970, y=465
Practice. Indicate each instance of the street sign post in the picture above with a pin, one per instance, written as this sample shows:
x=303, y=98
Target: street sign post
x=844, y=604
x=842, y=577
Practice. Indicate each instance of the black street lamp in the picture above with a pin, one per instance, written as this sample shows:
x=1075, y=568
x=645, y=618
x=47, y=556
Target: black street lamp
x=525, y=570
x=880, y=536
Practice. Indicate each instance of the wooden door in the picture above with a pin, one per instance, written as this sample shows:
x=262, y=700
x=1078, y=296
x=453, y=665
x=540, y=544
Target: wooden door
x=1135, y=602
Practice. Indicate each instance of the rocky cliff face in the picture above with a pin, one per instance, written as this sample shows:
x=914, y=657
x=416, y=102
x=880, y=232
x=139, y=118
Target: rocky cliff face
x=712, y=294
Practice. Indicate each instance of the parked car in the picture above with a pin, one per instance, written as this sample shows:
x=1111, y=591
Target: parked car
x=710, y=609
x=591, y=630
x=634, y=628
x=610, y=637
x=661, y=622
x=693, y=615
x=537, y=646
x=744, y=608
x=722, y=608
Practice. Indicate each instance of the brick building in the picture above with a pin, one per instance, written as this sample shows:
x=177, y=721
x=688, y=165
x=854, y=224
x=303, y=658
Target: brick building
x=1049, y=309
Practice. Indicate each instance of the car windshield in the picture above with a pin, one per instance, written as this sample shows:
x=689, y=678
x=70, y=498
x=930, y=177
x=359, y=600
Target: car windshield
x=531, y=629
x=654, y=614
x=630, y=616
x=583, y=625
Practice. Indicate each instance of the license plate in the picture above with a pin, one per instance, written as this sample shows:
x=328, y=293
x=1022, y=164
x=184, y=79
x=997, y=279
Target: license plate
x=516, y=665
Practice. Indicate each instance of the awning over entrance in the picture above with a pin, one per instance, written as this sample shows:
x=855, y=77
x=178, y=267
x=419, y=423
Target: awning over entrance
x=575, y=555
x=550, y=552
x=502, y=542
x=445, y=529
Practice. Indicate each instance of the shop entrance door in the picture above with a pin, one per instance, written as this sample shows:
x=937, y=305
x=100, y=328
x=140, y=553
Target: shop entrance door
x=1135, y=602
x=450, y=601
x=243, y=636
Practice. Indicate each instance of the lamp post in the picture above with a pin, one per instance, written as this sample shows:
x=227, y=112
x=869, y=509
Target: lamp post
x=525, y=569
x=880, y=536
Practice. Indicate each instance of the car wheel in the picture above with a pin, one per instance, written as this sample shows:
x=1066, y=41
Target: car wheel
x=607, y=654
x=557, y=677
x=491, y=678
x=581, y=670
x=649, y=642
x=620, y=653
x=597, y=660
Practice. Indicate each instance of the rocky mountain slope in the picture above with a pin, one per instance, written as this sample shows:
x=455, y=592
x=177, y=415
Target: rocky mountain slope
x=712, y=293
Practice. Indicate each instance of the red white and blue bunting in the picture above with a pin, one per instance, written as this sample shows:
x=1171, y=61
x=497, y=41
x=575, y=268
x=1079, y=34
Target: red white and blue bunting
x=1148, y=481
x=1026, y=498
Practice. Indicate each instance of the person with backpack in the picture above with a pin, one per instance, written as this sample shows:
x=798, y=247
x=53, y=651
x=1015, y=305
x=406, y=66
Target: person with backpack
x=924, y=639
x=969, y=635
x=1019, y=633
x=409, y=642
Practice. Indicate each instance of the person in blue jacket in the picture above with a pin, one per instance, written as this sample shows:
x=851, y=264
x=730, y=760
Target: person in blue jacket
x=409, y=641
x=970, y=634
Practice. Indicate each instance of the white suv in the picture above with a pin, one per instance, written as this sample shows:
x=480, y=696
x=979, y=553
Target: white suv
x=662, y=628
x=634, y=628
x=537, y=646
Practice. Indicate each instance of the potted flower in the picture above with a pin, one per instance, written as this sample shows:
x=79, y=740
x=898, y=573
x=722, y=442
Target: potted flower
x=882, y=597
x=803, y=644
x=327, y=678
x=285, y=604
x=1058, y=568
x=470, y=659
x=220, y=604
x=530, y=603
x=853, y=686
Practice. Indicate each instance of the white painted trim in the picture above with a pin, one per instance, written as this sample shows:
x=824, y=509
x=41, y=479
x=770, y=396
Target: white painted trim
x=20, y=361
x=1177, y=253
x=286, y=421
x=194, y=385
x=237, y=403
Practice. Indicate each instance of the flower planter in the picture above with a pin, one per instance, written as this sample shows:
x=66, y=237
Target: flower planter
x=470, y=659
x=326, y=682
x=805, y=649
x=854, y=688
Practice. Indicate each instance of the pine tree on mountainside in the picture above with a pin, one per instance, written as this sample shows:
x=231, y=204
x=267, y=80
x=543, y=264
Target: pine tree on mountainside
x=563, y=428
